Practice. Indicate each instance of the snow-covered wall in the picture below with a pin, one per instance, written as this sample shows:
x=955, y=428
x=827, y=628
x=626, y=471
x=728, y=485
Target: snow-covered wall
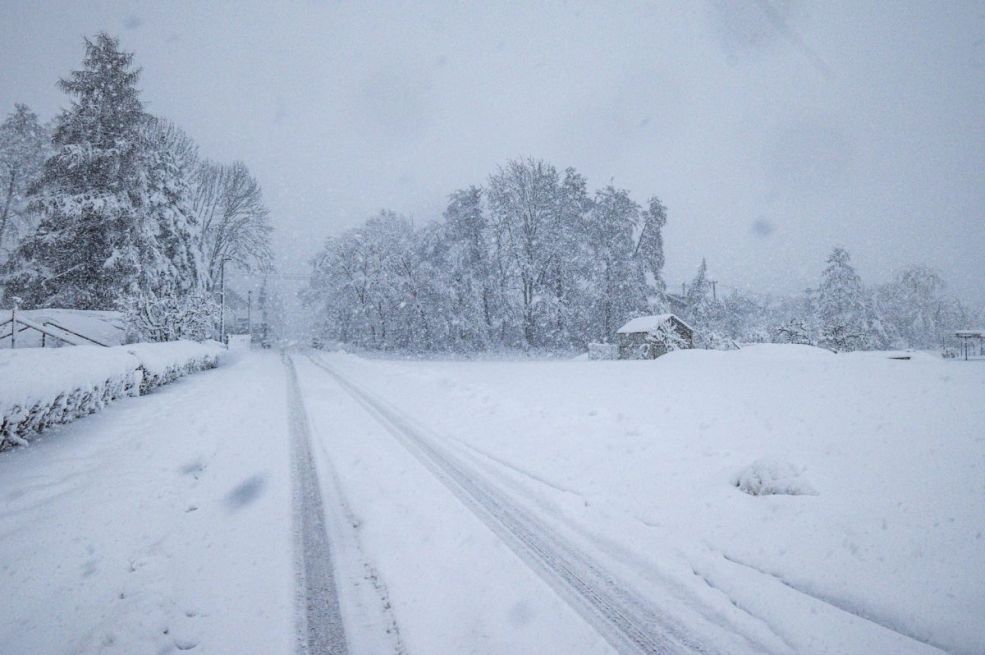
x=40, y=387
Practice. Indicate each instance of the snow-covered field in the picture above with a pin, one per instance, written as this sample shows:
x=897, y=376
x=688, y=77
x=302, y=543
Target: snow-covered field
x=775, y=499
x=885, y=553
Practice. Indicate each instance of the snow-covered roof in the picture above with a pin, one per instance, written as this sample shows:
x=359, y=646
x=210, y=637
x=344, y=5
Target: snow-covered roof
x=649, y=323
x=970, y=333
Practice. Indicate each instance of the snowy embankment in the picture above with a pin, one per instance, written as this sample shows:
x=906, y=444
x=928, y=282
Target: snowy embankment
x=835, y=501
x=41, y=387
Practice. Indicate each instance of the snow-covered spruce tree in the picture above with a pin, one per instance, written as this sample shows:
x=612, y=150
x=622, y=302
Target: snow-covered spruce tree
x=107, y=226
x=169, y=159
x=616, y=285
x=24, y=146
x=841, y=307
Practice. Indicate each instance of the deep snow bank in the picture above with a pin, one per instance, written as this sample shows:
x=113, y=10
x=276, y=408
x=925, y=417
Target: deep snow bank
x=41, y=387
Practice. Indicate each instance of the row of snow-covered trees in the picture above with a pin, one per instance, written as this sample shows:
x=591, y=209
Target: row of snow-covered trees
x=112, y=208
x=532, y=259
x=910, y=311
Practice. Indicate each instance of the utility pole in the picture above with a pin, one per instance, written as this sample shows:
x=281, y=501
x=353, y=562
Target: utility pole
x=714, y=295
x=249, y=313
x=222, y=301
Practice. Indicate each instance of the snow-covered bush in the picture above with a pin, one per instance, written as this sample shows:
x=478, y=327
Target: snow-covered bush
x=794, y=331
x=171, y=316
x=766, y=477
x=714, y=340
x=162, y=363
x=42, y=387
x=665, y=336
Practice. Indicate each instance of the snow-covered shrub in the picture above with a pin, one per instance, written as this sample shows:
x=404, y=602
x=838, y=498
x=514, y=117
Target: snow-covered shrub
x=766, y=477
x=793, y=331
x=43, y=387
x=603, y=351
x=714, y=340
x=665, y=336
x=172, y=316
x=162, y=363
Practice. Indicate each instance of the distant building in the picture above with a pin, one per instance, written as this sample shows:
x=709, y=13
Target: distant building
x=648, y=337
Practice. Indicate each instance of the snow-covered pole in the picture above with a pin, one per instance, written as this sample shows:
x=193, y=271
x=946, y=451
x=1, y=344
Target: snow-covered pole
x=13, y=321
x=222, y=301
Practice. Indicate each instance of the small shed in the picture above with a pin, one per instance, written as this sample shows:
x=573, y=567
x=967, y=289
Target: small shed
x=648, y=337
x=968, y=340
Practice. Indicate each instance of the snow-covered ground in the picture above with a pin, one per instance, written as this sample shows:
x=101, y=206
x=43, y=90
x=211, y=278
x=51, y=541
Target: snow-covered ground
x=774, y=499
x=884, y=553
x=162, y=523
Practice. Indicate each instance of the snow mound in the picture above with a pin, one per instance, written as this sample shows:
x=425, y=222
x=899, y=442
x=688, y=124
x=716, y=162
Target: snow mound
x=767, y=477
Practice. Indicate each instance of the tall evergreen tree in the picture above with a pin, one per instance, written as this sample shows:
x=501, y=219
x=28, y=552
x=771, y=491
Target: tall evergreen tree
x=841, y=304
x=108, y=200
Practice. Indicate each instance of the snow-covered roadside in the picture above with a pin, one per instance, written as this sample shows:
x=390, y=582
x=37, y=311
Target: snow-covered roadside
x=641, y=458
x=161, y=523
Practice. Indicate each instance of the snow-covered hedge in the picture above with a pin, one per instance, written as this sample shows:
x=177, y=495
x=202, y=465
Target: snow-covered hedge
x=167, y=361
x=40, y=387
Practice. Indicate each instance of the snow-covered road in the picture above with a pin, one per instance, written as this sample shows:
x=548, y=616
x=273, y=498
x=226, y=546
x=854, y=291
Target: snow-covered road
x=628, y=622
x=323, y=503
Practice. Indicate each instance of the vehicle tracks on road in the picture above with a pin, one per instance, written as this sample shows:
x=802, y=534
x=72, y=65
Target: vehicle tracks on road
x=629, y=623
x=319, y=618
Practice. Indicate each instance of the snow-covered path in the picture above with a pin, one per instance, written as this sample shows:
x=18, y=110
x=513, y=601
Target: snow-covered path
x=158, y=525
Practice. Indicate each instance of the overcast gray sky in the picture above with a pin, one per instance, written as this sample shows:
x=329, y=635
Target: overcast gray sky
x=771, y=129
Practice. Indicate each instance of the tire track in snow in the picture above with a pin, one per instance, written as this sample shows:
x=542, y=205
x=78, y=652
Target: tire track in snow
x=319, y=618
x=628, y=622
